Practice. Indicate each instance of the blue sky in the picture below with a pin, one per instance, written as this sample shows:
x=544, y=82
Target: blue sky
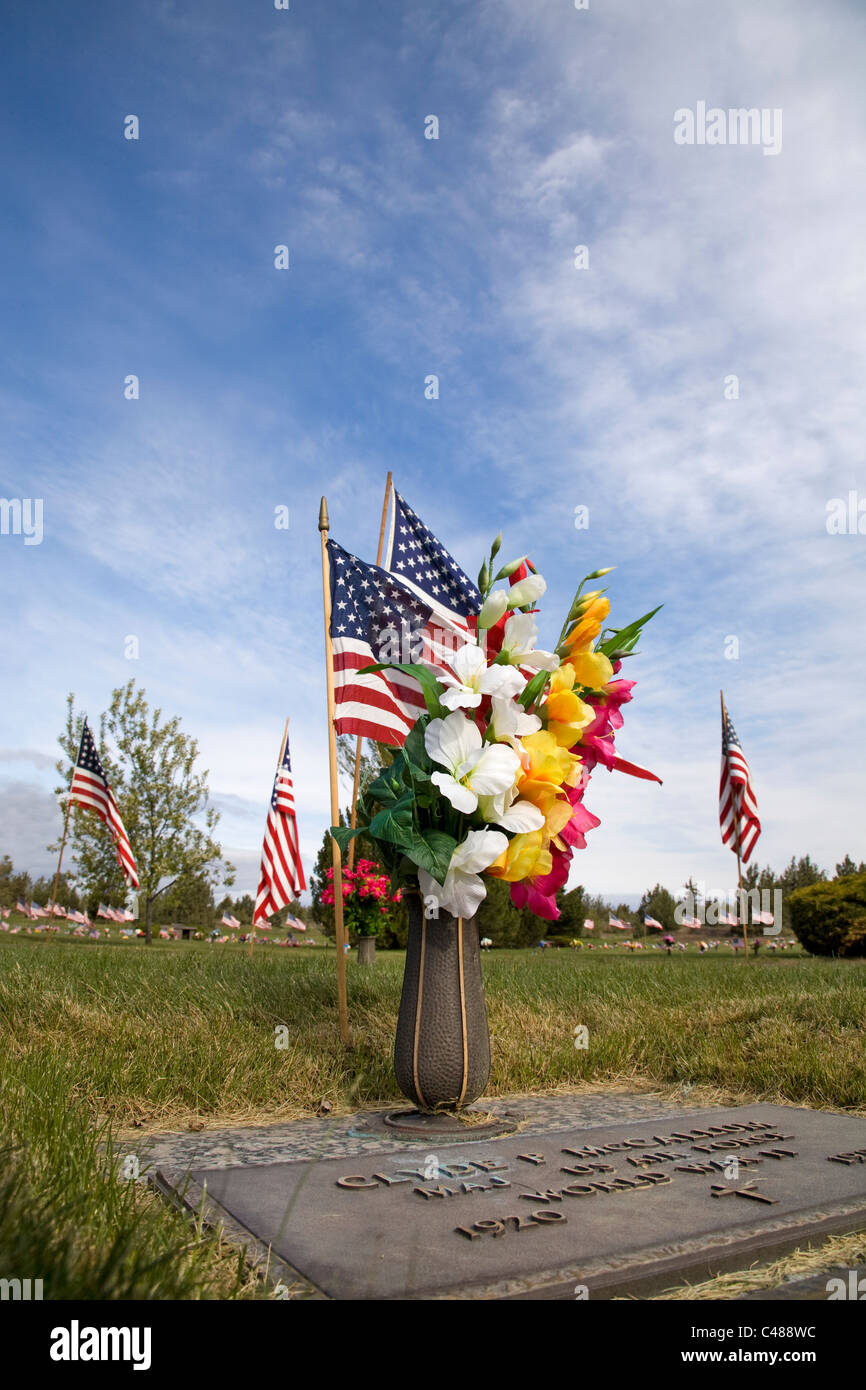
x=559, y=387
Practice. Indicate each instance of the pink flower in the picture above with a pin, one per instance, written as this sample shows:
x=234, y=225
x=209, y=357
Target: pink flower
x=539, y=894
x=581, y=821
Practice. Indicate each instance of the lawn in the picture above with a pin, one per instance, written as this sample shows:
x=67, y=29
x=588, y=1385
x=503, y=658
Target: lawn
x=100, y=1039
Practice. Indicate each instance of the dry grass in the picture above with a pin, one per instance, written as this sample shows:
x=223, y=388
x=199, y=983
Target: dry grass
x=848, y=1251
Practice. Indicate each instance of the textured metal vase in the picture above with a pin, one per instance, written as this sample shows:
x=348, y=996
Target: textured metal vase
x=442, y=1047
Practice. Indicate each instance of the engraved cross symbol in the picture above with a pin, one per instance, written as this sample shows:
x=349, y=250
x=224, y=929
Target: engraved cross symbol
x=749, y=1190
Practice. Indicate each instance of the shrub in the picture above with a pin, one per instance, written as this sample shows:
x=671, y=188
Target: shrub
x=829, y=919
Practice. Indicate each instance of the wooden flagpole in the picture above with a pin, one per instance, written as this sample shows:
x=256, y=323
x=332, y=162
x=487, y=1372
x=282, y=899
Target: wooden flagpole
x=279, y=765
x=740, y=914
x=336, y=858
x=59, y=860
x=354, y=821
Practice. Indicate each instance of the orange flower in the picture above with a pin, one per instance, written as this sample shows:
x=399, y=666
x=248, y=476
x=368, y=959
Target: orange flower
x=588, y=625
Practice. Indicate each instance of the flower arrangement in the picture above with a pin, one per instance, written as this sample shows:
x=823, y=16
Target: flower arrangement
x=366, y=894
x=491, y=779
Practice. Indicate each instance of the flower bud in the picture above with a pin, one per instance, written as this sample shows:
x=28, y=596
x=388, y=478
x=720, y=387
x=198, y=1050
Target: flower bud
x=526, y=591
x=492, y=608
x=507, y=570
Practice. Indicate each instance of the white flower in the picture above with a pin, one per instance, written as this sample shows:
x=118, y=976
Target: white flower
x=492, y=609
x=518, y=644
x=463, y=891
x=474, y=769
x=509, y=719
x=526, y=591
x=512, y=814
x=473, y=679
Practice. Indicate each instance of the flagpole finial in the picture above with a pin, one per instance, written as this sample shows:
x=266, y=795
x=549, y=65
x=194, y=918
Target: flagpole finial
x=324, y=520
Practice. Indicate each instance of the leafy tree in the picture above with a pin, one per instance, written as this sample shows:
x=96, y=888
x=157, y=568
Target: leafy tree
x=505, y=924
x=800, y=873
x=847, y=869
x=162, y=799
x=657, y=902
x=243, y=909
x=14, y=883
x=573, y=912
x=190, y=901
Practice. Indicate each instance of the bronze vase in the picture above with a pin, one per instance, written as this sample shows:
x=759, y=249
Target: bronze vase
x=442, y=1047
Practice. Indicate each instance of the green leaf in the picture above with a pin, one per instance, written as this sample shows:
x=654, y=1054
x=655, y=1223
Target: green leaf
x=388, y=786
x=432, y=850
x=423, y=675
x=415, y=752
x=533, y=689
x=623, y=639
x=393, y=824
x=344, y=834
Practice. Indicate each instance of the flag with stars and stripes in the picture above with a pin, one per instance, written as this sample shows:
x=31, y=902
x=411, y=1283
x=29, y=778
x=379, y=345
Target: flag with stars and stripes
x=376, y=617
x=423, y=564
x=282, y=874
x=90, y=789
x=738, y=809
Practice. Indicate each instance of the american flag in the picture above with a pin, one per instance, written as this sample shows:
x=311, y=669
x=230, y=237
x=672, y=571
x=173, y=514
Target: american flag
x=651, y=922
x=376, y=616
x=738, y=809
x=90, y=788
x=227, y=920
x=620, y=925
x=282, y=873
x=423, y=564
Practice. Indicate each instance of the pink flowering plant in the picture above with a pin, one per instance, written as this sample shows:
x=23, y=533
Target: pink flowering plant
x=366, y=897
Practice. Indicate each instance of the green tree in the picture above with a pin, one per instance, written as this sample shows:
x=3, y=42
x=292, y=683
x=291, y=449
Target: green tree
x=162, y=799
x=14, y=883
x=189, y=900
x=657, y=902
x=573, y=912
x=848, y=869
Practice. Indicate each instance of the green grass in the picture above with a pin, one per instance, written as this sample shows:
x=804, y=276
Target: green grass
x=99, y=1041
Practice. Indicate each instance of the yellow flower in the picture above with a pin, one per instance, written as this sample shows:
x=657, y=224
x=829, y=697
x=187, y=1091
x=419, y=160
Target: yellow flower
x=566, y=712
x=588, y=625
x=556, y=809
x=525, y=857
x=545, y=765
x=592, y=669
